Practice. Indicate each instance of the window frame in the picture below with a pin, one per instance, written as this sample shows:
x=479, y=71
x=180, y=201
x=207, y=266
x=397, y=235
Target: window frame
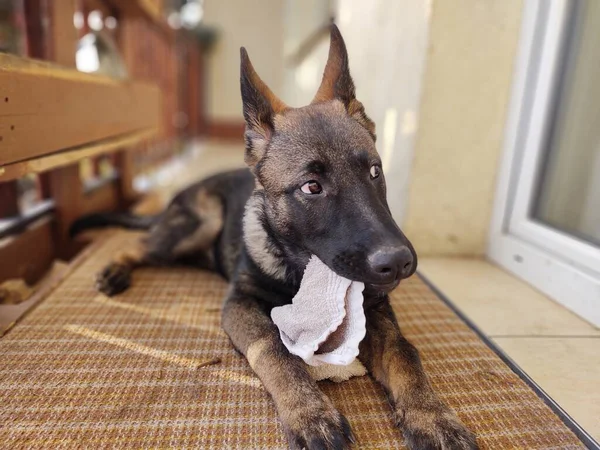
x=562, y=266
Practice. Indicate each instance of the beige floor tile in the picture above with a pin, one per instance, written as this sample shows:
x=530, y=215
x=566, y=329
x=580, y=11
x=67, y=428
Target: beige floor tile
x=568, y=369
x=500, y=304
x=202, y=159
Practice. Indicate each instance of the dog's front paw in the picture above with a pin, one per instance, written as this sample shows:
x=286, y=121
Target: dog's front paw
x=435, y=429
x=113, y=279
x=322, y=428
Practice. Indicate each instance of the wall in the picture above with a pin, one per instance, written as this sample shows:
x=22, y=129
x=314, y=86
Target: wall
x=306, y=47
x=466, y=87
x=387, y=43
x=434, y=75
x=256, y=25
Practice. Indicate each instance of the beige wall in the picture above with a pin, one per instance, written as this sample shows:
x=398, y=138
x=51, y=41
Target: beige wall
x=440, y=128
x=256, y=25
x=303, y=20
x=387, y=43
x=466, y=88
x=387, y=46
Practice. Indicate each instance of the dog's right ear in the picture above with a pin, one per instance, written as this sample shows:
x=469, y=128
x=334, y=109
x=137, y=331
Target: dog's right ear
x=260, y=107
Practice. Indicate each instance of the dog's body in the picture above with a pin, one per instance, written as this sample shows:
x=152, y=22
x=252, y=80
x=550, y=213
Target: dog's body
x=314, y=187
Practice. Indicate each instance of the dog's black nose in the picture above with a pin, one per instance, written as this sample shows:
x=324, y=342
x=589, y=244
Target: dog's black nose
x=389, y=264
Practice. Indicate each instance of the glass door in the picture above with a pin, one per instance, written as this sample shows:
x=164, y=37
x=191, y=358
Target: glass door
x=547, y=218
x=568, y=193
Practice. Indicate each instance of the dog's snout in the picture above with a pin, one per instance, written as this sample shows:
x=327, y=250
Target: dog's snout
x=389, y=264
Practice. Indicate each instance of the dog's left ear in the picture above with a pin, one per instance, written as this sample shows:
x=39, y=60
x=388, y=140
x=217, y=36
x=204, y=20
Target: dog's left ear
x=337, y=82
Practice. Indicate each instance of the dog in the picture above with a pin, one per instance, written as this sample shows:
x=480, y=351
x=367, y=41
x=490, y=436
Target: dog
x=314, y=186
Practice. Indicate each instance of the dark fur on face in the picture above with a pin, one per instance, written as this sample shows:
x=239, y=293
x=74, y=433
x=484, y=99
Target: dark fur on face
x=315, y=186
x=323, y=143
x=331, y=142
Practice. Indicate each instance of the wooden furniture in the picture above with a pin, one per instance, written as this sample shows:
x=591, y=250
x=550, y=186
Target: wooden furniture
x=64, y=126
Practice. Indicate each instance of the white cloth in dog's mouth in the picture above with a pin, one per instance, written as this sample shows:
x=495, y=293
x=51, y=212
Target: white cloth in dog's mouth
x=325, y=322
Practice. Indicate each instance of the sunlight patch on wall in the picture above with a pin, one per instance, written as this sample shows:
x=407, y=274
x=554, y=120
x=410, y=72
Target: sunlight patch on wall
x=308, y=76
x=390, y=124
x=409, y=123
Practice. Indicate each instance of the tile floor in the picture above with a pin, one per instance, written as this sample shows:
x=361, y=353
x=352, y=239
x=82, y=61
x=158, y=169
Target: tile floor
x=560, y=351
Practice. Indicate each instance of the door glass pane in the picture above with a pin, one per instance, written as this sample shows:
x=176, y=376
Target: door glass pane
x=569, y=189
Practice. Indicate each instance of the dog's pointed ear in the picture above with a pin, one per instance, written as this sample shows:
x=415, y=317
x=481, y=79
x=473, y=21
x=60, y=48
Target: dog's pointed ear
x=337, y=82
x=260, y=107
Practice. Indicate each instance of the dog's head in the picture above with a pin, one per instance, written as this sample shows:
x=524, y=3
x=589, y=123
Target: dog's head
x=321, y=174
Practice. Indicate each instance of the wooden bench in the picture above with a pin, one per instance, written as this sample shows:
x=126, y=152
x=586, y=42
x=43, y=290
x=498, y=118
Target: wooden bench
x=59, y=127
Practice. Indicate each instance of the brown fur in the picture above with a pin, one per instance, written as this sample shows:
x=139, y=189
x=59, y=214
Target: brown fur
x=181, y=231
x=131, y=256
x=395, y=363
x=210, y=210
x=259, y=228
x=297, y=136
x=310, y=419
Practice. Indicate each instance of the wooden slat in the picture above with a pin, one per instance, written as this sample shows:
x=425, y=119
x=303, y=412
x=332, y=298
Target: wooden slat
x=36, y=27
x=125, y=163
x=45, y=108
x=29, y=254
x=64, y=33
x=67, y=192
x=97, y=5
x=147, y=10
x=10, y=314
x=44, y=163
x=152, y=8
x=103, y=198
x=9, y=201
x=13, y=225
x=64, y=182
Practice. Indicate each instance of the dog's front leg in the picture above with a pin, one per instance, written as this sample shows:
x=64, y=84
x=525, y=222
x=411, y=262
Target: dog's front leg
x=309, y=418
x=427, y=423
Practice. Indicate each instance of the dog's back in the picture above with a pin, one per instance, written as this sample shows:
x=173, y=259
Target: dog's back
x=201, y=226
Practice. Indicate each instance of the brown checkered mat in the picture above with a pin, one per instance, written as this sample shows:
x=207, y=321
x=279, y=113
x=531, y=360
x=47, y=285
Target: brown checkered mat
x=86, y=371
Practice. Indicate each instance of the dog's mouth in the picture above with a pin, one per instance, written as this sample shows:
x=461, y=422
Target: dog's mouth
x=384, y=288
x=372, y=287
x=380, y=268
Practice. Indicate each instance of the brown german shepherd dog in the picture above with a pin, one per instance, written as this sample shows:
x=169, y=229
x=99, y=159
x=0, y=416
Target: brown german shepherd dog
x=314, y=186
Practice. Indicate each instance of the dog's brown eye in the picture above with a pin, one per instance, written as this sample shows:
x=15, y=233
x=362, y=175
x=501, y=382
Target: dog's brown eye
x=311, y=187
x=375, y=171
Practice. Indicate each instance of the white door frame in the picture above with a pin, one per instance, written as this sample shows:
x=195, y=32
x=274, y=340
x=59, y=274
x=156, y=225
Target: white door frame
x=563, y=267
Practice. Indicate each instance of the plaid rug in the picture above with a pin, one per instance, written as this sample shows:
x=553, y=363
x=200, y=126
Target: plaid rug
x=153, y=369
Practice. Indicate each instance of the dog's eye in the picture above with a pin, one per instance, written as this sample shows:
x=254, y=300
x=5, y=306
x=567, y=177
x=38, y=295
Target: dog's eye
x=311, y=187
x=375, y=171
